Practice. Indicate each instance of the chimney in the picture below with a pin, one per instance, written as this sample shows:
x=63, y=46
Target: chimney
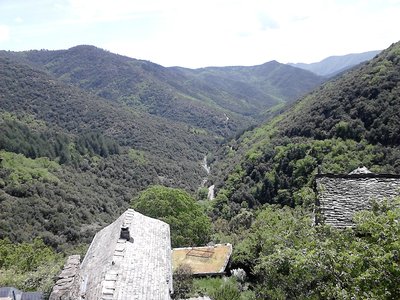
x=125, y=233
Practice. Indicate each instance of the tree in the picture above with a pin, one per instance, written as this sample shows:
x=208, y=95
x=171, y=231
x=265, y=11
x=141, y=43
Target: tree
x=189, y=224
x=29, y=266
x=290, y=259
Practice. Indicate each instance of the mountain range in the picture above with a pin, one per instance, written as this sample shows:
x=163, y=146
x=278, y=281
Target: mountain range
x=111, y=125
x=71, y=158
x=333, y=65
x=204, y=98
x=83, y=131
x=348, y=122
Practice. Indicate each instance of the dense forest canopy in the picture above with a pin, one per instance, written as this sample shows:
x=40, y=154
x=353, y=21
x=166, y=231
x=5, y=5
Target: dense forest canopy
x=71, y=161
x=204, y=98
x=348, y=122
x=265, y=181
x=78, y=148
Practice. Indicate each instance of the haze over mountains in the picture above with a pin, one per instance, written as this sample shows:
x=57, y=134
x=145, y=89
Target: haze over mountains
x=241, y=94
x=333, y=65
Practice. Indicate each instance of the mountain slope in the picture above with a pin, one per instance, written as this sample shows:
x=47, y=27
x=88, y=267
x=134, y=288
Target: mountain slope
x=83, y=130
x=363, y=104
x=71, y=161
x=333, y=65
x=205, y=98
x=127, y=81
x=259, y=87
x=348, y=122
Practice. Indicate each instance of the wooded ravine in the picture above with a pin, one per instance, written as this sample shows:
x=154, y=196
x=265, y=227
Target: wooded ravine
x=86, y=134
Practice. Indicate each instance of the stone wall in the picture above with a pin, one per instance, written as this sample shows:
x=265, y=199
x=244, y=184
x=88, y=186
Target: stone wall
x=340, y=196
x=65, y=288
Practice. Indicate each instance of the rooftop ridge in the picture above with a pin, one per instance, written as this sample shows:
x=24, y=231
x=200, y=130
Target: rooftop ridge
x=110, y=278
x=128, y=259
x=129, y=214
x=360, y=175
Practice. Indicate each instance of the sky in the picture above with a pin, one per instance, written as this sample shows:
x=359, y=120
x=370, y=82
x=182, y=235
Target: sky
x=200, y=33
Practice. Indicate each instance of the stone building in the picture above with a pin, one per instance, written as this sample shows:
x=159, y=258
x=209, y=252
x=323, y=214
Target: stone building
x=128, y=260
x=340, y=196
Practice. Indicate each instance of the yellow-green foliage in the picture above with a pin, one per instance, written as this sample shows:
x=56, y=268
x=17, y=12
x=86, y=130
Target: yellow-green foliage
x=189, y=224
x=137, y=156
x=292, y=259
x=28, y=266
x=28, y=120
x=23, y=170
x=258, y=139
x=234, y=178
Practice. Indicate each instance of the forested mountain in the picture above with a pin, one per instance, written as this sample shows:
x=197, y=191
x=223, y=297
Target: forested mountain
x=82, y=131
x=265, y=191
x=71, y=160
x=257, y=87
x=206, y=98
x=333, y=65
x=348, y=122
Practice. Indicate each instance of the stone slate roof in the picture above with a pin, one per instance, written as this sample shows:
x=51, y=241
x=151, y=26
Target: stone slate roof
x=118, y=266
x=9, y=292
x=340, y=196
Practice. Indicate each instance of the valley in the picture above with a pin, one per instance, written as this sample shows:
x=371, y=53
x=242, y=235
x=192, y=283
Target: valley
x=86, y=134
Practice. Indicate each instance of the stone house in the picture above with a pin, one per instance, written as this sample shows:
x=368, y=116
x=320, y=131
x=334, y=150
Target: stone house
x=129, y=259
x=339, y=196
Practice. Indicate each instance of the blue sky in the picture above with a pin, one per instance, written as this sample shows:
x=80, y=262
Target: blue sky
x=203, y=33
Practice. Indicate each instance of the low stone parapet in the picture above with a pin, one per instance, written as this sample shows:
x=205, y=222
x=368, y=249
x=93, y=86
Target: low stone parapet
x=65, y=288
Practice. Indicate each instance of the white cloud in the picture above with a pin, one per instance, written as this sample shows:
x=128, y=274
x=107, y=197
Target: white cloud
x=222, y=32
x=211, y=32
x=92, y=11
x=4, y=33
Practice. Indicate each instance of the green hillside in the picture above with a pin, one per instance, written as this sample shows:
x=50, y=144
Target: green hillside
x=83, y=131
x=351, y=121
x=265, y=192
x=71, y=161
x=257, y=87
x=222, y=100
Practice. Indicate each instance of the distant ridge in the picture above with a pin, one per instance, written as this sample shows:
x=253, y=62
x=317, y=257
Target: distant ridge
x=350, y=121
x=202, y=98
x=333, y=65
